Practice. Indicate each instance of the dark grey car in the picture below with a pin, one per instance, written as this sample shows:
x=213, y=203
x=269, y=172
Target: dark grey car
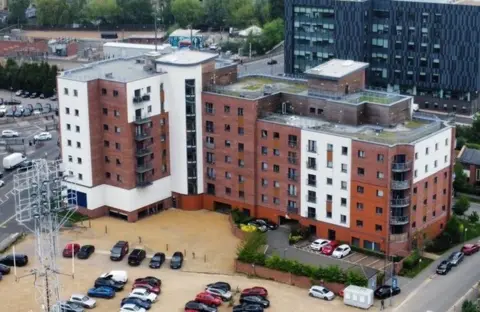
x=456, y=258
x=64, y=306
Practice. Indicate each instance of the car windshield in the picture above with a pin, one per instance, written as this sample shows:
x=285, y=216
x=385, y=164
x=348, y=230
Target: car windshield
x=156, y=258
x=85, y=298
x=339, y=249
x=175, y=259
x=325, y=291
x=116, y=250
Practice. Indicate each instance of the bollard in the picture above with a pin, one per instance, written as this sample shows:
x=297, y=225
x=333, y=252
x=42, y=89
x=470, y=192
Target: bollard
x=167, y=247
x=193, y=255
x=106, y=230
x=139, y=239
x=204, y=258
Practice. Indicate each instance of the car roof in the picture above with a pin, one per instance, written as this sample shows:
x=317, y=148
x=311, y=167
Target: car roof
x=320, y=240
x=468, y=245
x=343, y=246
x=129, y=305
x=318, y=287
x=78, y=295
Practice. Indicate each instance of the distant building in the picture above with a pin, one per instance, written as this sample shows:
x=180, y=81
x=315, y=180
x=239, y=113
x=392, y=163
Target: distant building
x=3, y=4
x=470, y=160
x=180, y=36
x=63, y=47
x=122, y=49
x=147, y=39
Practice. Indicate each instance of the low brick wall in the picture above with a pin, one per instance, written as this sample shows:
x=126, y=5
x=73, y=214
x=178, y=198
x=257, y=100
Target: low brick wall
x=235, y=230
x=399, y=266
x=283, y=277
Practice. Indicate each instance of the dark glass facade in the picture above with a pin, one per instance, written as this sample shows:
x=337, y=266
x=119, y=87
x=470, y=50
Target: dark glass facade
x=427, y=49
x=191, y=136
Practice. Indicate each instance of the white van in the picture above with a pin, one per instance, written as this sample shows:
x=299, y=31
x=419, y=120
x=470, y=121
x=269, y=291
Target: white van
x=117, y=276
x=13, y=160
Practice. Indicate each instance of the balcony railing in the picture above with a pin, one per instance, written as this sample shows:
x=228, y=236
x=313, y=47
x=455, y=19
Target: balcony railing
x=210, y=160
x=137, y=99
x=403, y=166
x=398, y=220
x=311, y=199
x=144, y=168
x=400, y=202
x=142, y=152
x=291, y=194
x=292, y=177
x=210, y=145
x=311, y=165
x=311, y=149
x=293, y=210
x=142, y=119
x=211, y=176
x=400, y=185
x=397, y=238
x=143, y=183
x=292, y=160
x=311, y=182
x=293, y=144
x=142, y=136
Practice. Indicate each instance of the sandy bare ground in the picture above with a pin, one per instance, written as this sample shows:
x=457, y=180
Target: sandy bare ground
x=79, y=34
x=202, y=231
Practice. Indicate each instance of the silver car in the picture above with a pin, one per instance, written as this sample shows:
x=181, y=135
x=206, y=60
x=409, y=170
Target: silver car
x=63, y=306
x=321, y=292
x=82, y=300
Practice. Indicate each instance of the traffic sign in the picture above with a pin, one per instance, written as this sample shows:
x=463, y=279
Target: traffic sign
x=394, y=282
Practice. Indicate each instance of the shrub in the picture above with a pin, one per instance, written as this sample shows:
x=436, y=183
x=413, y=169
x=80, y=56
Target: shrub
x=299, y=230
x=411, y=261
x=240, y=217
x=473, y=217
x=294, y=239
x=248, y=250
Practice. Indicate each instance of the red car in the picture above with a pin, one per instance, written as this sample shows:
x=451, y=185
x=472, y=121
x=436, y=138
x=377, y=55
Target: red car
x=470, y=249
x=152, y=288
x=208, y=299
x=328, y=250
x=71, y=250
x=255, y=291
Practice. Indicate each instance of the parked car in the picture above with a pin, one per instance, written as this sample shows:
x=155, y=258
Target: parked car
x=131, y=308
x=70, y=250
x=138, y=302
x=84, y=301
x=143, y=294
x=26, y=94
x=38, y=106
x=64, y=306
x=27, y=112
x=119, y=250
x=255, y=300
x=341, y=251
x=85, y=251
x=329, y=248
x=155, y=289
x=9, y=134
x=157, y=260
x=177, y=260
x=223, y=294
x=107, y=282
x=456, y=258
x=53, y=98
x=255, y=291
x=20, y=260
x=321, y=292
x=259, y=225
x=220, y=285
x=136, y=257
x=4, y=269
x=18, y=113
x=269, y=224
x=248, y=308
x=33, y=95
x=198, y=306
x=19, y=93
x=2, y=183
x=150, y=280
x=43, y=136
x=386, y=291
x=444, y=267
x=42, y=96
x=470, y=249
x=101, y=292
x=272, y=62
x=208, y=299
x=10, y=113
x=117, y=276
x=318, y=244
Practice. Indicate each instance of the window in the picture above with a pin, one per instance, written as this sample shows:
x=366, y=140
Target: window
x=226, y=128
x=359, y=223
x=70, y=158
x=241, y=194
x=361, y=171
x=228, y=191
x=276, y=135
x=241, y=147
x=77, y=128
x=65, y=91
x=426, y=168
x=241, y=179
x=445, y=159
x=264, y=182
x=264, y=133
x=379, y=193
x=119, y=178
x=264, y=166
x=69, y=142
x=329, y=181
x=329, y=198
x=415, y=190
x=329, y=164
x=241, y=163
x=228, y=159
x=359, y=206
x=415, y=173
x=276, y=184
x=344, y=168
x=276, y=201
x=380, y=157
x=378, y=228
x=241, y=131
x=312, y=146
x=380, y=175
x=115, y=93
x=79, y=145
x=117, y=146
x=343, y=185
x=343, y=202
x=104, y=91
x=227, y=143
x=343, y=219
x=75, y=92
x=228, y=175
x=80, y=176
x=276, y=168
x=435, y=163
x=76, y=112
x=426, y=150
x=264, y=150
x=149, y=108
x=416, y=155
x=344, y=150
x=360, y=189
x=67, y=110
x=312, y=212
x=436, y=146
x=69, y=127
x=226, y=109
x=379, y=210
x=105, y=111
x=276, y=152
x=329, y=147
x=117, y=129
x=361, y=154
x=79, y=160
x=240, y=111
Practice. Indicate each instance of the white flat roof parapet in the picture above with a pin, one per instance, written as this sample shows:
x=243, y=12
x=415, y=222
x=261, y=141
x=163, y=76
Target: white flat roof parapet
x=336, y=69
x=125, y=45
x=186, y=58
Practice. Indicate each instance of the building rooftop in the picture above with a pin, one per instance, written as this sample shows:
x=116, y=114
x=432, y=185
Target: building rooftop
x=125, y=45
x=409, y=132
x=469, y=156
x=118, y=70
x=458, y=2
x=184, y=33
x=336, y=69
x=186, y=58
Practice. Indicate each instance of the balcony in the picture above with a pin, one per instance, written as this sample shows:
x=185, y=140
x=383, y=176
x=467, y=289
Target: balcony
x=209, y=111
x=292, y=160
x=398, y=220
x=291, y=194
x=400, y=202
x=293, y=210
x=140, y=120
x=292, y=177
x=210, y=145
x=211, y=177
x=142, y=152
x=142, y=136
x=143, y=183
x=400, y=185
x=210, y=161
x=311, y=182
x=137, y=99
x=311, y=199
x=293, y=144
x=144, y=168
x=402, y=167
x=398, y=238
x=311, y=165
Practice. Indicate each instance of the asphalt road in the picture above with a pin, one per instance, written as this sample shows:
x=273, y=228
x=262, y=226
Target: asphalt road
x=261, y=67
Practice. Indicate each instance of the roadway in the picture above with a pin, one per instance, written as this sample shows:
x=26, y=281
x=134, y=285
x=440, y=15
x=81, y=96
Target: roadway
x=261, y=67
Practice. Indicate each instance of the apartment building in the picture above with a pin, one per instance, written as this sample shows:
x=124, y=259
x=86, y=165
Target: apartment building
x=418, y=48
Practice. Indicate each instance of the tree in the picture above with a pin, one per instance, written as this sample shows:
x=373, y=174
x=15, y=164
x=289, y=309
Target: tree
x=135, y=12
x=461, y=180
x=461, y=206
x=273, y=33
x=102, y=10
x=50, y=11
x=262, y=11
x=469, y=306
x=473, y=217
x=241, y=13
x=277, y=9
x=216, y=12
x=187, y=12
x=16, y=10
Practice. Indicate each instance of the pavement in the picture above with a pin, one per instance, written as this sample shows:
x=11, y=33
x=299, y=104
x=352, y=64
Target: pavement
x=261, y=67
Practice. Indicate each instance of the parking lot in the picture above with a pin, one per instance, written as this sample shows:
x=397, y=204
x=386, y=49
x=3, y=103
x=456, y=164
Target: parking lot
x=197, y=231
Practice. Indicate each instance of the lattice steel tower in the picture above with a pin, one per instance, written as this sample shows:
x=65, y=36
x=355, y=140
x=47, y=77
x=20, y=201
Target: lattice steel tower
x=43, y=203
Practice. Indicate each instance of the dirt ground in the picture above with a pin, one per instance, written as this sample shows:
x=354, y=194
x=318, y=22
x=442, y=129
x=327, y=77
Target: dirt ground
x=78, y=34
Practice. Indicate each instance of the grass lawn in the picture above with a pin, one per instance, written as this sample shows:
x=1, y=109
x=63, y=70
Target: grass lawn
x=374, y=99
x=413, y=124
x=253, y=87
x=411, y=273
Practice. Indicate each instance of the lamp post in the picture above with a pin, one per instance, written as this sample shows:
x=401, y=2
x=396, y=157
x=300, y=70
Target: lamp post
x=465, y=235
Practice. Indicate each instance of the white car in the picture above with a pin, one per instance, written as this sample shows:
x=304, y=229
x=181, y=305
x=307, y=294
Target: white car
x=318, y=244
x=131, y=308
x=321, y=292
x=9, y=134
x=43, y=136
x=19, y=93
x=341, y=251
x=144, y=294
x=84, y=301
x=2, y=183
x=117, y=276
x=216, y=292
x=37, y=112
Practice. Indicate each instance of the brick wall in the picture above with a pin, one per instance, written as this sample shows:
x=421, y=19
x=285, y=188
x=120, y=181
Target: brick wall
x=238, y=233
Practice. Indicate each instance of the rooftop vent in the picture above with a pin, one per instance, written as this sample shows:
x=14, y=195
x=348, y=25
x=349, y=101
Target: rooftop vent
x=347, y=63
x=109, y=75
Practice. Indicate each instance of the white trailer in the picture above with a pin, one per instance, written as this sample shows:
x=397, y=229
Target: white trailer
x=359, y=297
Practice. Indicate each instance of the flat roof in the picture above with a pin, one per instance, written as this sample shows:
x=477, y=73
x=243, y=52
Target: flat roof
x=453, y=2
x=336, y=69
x=184, y=33
x=186, y=58
x=125, y=45
x=117, y=69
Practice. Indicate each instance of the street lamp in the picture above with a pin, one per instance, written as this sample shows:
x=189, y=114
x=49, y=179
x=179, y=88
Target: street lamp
x=465, y=235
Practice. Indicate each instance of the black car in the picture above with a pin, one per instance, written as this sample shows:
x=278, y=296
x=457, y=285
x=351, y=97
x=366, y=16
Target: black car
x=248, y=308
x=456, y=258
x=197, y=306
x=220, y=285
x=33, y=95
x=265, y=222
x=20, y=260
x=26, y=94
x=119, y=250
x=99, y=282
x=4, y=269
x=255, y=300
x=25, y=165
x=157, y=260
x=149, y=280
x=42, y=96
x=386, y=291
x=177, y=260
x=85, y=251
x=136, y=301
x=136, y=257
x=444, y=267
x=272, y=62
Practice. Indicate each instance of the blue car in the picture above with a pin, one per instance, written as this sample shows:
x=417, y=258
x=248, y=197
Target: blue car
x=101, y=292
x=136, y=301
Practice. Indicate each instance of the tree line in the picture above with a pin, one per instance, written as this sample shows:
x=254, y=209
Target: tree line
x=216, y=14
x=32, y=77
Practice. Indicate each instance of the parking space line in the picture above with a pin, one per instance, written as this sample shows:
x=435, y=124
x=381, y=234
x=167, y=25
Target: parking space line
x=361, y=259
x=373, y=262
x=349, y=255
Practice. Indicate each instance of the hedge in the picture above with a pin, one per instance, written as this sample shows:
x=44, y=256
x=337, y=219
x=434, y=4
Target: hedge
x=411, y=261
x=240, y=217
